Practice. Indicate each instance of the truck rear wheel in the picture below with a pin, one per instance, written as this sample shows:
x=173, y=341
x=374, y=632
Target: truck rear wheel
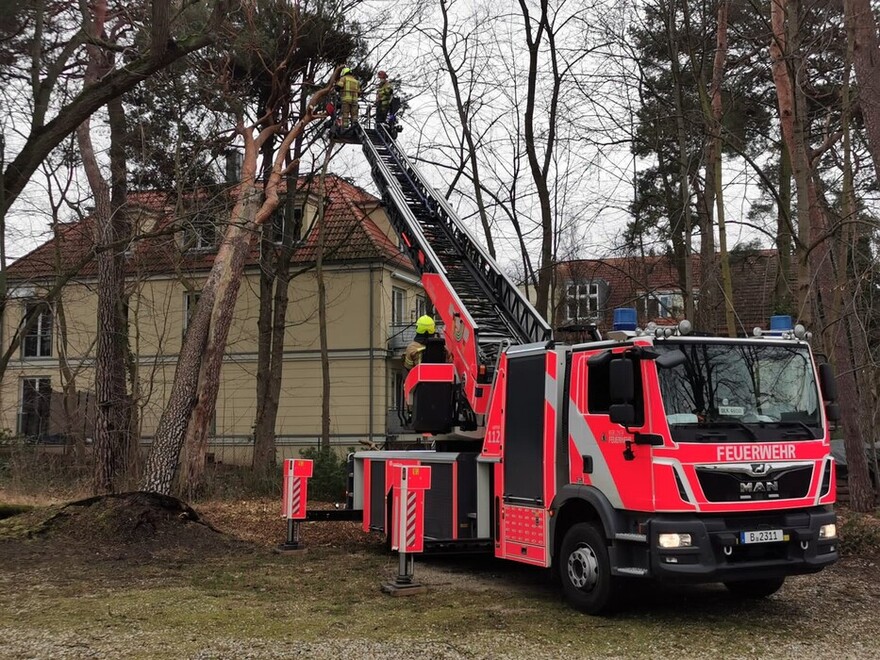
x=755, y=588
x=585, y=570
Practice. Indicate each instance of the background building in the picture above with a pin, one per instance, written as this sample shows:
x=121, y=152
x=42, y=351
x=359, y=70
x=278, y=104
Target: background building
x=373, y=295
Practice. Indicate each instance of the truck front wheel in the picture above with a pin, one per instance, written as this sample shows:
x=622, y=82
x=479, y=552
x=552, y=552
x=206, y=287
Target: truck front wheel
x=585, y=570
x=755, y=588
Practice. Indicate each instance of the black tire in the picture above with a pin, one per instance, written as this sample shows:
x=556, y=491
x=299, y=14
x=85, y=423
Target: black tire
x=755, y=588
x=585, y=570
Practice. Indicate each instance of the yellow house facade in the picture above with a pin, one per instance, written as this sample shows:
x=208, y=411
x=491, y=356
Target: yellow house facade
x=373, y=298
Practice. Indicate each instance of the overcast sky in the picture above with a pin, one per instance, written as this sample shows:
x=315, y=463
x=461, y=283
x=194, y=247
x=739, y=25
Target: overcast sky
x=598, y=202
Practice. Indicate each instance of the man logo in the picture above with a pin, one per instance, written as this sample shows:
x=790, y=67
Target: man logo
x=752, y=487
x=760, y=468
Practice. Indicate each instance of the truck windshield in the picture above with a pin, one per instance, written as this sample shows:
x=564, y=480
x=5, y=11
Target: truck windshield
x=732, y=392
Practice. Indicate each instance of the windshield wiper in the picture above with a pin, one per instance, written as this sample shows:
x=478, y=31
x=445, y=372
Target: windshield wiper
x=793, y=423
x=720, y=423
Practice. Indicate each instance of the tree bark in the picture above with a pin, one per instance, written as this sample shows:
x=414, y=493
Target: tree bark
x=112, y=449
x=682, y=227
x=782, y=301
x=863, y=30
x=717, y=128
x=539, y=174
x=209, y=325
x=275, y=280
x=814, y=237
x=239, y=238
x=322, y=309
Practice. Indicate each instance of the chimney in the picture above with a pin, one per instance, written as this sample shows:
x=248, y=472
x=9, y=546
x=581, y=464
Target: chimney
x=233, y=166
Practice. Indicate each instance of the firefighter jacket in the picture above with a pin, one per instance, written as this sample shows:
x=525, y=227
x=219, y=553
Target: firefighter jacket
x=384, y=94
x=413, y=354
x=349, y=88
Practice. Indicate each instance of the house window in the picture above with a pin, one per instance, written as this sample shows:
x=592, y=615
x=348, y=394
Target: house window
x=33, y=412
x=582, y=301
x=421, y=306
x=664, y=305
x=201, y=234
x=37, y=340
x=398, y=306
x=396, y=393
x=280, y=225
x=190, y=301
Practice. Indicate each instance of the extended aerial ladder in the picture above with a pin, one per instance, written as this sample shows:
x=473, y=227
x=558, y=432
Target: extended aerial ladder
x=482, y=310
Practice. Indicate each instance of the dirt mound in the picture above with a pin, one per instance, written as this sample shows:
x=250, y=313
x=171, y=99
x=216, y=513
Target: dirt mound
x=128, y=525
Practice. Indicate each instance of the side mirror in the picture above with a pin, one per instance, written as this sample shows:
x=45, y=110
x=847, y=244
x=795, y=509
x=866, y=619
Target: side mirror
x=827, y=382
x=832, y=412
x=671, y=359
x=621, y=385
x=622, y=413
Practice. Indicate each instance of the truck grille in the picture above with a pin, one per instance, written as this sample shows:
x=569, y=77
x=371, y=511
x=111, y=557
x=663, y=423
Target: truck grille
x=735, y=485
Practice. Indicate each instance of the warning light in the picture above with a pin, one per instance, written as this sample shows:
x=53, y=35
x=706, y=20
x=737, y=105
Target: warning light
x=625, y=318
x=781, y=323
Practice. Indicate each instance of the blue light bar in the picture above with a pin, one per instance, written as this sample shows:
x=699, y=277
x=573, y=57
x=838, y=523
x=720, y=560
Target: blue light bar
x=625, y=318
x=781, y=323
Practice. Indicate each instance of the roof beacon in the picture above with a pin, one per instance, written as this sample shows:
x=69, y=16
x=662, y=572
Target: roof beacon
x=782, y=326
x=625, y=318
x=781, y=323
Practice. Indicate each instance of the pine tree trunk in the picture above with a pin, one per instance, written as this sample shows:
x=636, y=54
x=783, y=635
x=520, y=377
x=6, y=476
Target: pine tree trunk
x=239, y=236
x=322, y=310
x=681, y=227
x=812, y=243
x=851, y=346
x=205, y=340
x=264, y=422
x=112, y=414
x=863, y=30
x=782, y=301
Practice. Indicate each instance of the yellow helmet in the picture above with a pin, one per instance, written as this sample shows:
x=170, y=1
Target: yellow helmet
x=424, y=325
x=345, y=71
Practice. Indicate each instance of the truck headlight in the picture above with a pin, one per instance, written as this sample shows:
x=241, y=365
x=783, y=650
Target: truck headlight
x=675, y=540
x=828, y=531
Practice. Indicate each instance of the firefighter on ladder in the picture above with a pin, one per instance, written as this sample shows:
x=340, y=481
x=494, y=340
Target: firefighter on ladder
x=383, y=98
x=349, y=91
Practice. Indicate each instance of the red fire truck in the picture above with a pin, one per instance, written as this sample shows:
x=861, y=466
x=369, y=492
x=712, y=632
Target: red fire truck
x=649, y=453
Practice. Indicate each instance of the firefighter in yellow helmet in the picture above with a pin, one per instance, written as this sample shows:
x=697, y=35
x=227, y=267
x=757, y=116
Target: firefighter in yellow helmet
x=349, y=92
x=425, y=329
x=383, y=97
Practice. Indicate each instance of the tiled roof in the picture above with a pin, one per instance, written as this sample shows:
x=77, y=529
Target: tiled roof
x=627, y=280
x=351, y=235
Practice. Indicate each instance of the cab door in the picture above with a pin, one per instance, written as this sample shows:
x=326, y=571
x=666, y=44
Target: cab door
x=604, y=442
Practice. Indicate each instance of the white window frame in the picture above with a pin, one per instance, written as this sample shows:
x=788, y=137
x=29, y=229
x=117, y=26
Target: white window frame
x=578, y=294
x=195, y=234
x=667, y=308
x=41, y=330
x=398, y=306
x=278, y=224
x=421, y=306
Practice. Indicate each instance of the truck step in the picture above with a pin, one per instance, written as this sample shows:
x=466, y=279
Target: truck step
x=632, y=571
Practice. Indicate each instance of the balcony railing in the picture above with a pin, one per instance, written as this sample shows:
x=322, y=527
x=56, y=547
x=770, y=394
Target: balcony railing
x=399, y=335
